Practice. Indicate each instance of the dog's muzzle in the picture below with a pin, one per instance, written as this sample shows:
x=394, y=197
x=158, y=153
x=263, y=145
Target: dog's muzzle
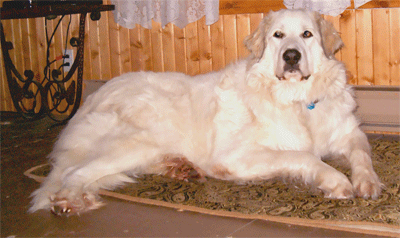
x=291, y=69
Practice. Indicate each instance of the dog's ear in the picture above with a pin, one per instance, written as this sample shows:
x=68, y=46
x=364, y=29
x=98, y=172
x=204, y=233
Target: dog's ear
x=255, y=42
x=331, y=40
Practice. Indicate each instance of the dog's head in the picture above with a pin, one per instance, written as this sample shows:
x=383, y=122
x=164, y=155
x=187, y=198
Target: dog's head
x=292, y=44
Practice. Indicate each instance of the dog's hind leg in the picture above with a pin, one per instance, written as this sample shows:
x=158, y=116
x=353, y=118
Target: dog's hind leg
x=73, y=189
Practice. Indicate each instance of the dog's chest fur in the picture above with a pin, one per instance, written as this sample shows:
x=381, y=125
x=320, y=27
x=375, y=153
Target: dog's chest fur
x=264, y=123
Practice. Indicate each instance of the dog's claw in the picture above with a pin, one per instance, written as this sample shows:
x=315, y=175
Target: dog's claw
x=66, y=207
x=58, y=211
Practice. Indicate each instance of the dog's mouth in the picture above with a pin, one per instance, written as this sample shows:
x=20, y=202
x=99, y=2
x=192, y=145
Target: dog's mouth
x=293, y=65
x=293, y=75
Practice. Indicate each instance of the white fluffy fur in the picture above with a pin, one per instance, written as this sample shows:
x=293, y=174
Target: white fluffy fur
x=241, y=123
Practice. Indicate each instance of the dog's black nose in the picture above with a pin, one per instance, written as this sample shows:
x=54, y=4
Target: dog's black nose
x=291, y=56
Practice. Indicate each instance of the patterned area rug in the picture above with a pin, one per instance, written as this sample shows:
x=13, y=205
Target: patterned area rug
x=277, y=200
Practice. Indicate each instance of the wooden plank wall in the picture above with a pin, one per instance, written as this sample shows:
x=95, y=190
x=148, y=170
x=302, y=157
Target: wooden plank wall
x=371, y=36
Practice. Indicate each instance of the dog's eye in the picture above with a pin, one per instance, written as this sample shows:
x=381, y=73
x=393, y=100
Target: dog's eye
x=307, y=34
x=279, y=35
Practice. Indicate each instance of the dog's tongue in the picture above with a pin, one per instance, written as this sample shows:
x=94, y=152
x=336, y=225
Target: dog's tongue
x=293, y=76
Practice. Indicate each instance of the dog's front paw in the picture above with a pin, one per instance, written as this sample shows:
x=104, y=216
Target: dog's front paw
x=337, y=186
x=366, y=184
x=64, y=204
x=340, y=191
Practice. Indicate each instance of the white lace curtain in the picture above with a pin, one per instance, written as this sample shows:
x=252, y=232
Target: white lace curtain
x=128, y=13
x=328, y=7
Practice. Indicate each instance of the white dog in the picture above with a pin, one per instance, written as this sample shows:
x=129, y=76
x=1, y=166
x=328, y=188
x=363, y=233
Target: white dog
x=275, y=114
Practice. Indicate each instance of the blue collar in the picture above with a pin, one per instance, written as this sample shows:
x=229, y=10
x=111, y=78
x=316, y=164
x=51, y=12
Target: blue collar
x=312, y=105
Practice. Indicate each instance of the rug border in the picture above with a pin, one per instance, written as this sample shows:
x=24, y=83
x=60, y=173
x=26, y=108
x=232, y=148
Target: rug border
x=370, y=228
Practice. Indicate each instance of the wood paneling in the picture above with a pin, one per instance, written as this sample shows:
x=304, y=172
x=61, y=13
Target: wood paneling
x=115, y=49
x=230, y=39
x=218, y=44
x=104, y=46
x=381, y=46
x=262, y=6
x=394, y=64
x=371, y=36
x=347, y=24
x=379, y=4
x=204, y=34
x=157, y=47
x=168, y=46
x=365, y=61
x=180, y=50
x=192, y=49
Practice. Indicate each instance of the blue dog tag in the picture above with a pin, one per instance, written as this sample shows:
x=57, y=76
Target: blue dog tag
x=311, y=106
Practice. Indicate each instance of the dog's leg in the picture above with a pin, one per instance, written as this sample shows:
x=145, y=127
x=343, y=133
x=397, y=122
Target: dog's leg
x=42, y=196
x=80, y=185
x=357, y=150
x=73, y=189
x=292, y=164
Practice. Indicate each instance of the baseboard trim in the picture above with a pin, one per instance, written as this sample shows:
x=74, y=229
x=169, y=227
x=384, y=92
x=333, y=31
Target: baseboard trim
x=378, y=108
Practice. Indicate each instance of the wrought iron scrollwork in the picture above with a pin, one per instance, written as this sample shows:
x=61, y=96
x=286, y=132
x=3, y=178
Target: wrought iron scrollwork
x=28, y=99
x=64, y=94
x=55, y=95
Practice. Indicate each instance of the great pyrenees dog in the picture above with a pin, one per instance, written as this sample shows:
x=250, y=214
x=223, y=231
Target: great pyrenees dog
x=272, y=115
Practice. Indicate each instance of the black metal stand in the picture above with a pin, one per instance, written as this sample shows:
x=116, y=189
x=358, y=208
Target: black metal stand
x=34, y=99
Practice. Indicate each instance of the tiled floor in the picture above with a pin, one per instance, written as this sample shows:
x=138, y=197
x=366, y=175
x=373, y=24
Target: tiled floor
x=121, y=218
